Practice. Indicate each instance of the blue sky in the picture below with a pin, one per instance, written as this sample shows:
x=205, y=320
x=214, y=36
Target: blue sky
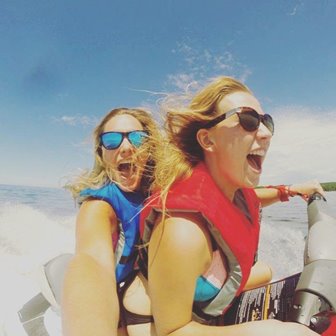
x=64, y=64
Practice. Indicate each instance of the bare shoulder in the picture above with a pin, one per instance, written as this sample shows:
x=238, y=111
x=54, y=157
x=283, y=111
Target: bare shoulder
x=96, y=222
x=96, y=208
x=182, y=234
x=95, y=213
x=188, y=229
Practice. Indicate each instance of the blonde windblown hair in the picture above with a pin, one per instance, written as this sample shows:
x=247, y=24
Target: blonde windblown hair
x=101, y=173
x=182, y=151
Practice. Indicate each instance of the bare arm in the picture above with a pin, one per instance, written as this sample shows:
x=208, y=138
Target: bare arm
x=268, y=196
x=89, y=302
x=261, y=274
x=179, y=252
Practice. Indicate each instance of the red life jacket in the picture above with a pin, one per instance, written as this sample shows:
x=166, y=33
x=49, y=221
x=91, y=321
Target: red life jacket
x=235, y=234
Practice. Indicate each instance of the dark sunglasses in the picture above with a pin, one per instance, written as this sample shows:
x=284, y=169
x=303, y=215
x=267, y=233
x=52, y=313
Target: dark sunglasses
x=112, y=140
x=249, y=119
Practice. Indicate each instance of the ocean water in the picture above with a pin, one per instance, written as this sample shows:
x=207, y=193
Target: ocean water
x=37, y=224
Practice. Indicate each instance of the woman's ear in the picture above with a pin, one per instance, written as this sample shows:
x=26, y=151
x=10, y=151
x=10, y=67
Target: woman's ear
x=100, y=152
x=204, y=139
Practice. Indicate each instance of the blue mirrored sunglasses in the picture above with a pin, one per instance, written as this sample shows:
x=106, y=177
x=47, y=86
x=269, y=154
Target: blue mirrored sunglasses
x=249, y=119
x=112, y=140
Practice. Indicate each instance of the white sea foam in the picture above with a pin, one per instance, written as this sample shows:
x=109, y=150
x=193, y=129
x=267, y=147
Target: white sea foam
x=28, y=238
x=30, y=233
x=282, y=248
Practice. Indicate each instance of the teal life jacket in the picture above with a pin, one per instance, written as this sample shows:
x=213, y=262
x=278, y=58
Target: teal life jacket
x=127, y=207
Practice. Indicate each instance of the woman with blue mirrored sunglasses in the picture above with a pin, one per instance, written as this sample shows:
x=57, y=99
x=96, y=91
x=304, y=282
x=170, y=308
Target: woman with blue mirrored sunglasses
x=111, y=197
x=113, y=140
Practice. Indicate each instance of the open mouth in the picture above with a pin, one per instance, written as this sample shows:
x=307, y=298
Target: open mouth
x=255, y=161
x=125, y=167
x=128, y=176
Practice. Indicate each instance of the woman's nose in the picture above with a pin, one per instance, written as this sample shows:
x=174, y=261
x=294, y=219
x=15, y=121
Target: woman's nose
x=263, y=132
x=126, y=146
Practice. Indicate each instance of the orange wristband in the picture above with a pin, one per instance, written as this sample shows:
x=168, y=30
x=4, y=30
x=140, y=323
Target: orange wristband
x=283, y=192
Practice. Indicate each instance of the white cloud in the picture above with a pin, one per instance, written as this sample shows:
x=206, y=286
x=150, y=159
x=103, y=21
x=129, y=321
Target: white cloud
x=293, y=12
x=76, y=120
x=68, y=120
x=199, y=65
x=296, y=8
x=303, y=147
x=181, y=80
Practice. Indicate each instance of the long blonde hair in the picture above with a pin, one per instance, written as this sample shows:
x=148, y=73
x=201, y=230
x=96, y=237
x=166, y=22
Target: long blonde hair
x=101, y=173
x=182, y=151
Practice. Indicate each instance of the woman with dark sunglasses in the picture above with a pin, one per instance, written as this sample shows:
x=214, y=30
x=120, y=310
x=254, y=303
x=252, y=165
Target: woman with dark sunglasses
x=111, y=197
x=201, y=230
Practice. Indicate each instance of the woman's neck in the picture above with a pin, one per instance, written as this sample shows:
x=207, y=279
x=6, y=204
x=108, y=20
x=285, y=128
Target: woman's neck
x=227, y=188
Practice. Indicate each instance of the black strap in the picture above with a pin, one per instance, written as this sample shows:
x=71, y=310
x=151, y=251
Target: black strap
x=143, y=260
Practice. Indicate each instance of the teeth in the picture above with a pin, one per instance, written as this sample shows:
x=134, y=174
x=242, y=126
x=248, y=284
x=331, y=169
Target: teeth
x=259, y=152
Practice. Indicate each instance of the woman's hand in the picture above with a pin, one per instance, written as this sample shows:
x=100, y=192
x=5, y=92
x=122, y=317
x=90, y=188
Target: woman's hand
x=306, y=189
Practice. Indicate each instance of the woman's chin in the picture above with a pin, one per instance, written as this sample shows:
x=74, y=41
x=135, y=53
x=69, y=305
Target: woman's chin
x=251, y=181
x=128, y=188
x=131, y=184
